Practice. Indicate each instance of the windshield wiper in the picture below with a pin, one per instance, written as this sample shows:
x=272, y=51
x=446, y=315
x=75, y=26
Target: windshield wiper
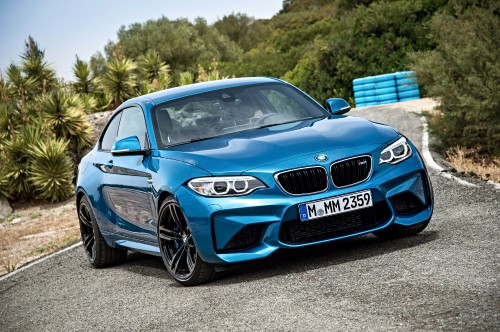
x=192, y=141
x=282, y=123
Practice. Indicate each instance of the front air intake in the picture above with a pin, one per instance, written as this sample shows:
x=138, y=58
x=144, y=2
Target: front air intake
x=335, y=226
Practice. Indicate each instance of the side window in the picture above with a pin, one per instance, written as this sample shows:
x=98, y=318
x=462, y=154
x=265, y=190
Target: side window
x=133, y=124
x=109, y=136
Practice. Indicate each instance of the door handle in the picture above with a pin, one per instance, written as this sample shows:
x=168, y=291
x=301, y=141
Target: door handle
x=109, y=164
x=150, y=180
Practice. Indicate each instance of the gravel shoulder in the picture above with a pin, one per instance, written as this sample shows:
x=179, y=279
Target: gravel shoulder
x=35, y=230
x=446, y=278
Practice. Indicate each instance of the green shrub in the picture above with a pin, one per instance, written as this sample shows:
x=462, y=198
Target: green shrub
x=51, y=170
x=16, y=151
x=4, y=182
x=186, y=78
x=463, y=72
x=368, y=40
x=64, y=116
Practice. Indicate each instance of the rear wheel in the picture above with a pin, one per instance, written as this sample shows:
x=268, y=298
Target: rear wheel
x=98, y=253
x=178, y=249
x=398, y=231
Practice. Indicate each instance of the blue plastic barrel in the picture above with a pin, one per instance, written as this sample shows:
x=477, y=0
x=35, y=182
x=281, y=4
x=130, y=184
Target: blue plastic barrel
x=410, y=93
x=389, y=96
x=386, y=88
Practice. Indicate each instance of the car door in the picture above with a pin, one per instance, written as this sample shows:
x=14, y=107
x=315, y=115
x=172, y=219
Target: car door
x=126, y=189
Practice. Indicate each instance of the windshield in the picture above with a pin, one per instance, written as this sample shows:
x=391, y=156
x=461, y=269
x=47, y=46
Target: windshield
x=231, y=110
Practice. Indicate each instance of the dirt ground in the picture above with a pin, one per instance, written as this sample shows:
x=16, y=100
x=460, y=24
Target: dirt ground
x=34, y=230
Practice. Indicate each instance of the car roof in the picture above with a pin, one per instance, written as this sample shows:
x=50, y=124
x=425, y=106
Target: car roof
x=192, y=89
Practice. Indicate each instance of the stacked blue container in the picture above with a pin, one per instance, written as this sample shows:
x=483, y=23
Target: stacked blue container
x=385, y=89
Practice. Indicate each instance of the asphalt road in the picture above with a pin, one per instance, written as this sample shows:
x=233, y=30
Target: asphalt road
x=446, y=278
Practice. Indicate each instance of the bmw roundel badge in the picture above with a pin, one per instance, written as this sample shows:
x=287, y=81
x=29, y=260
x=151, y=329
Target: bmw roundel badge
x=321, y=157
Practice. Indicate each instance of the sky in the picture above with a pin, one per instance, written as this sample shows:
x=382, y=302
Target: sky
x=66, y=28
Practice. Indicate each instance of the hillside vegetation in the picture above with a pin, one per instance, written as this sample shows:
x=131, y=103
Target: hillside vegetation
x=318, y=45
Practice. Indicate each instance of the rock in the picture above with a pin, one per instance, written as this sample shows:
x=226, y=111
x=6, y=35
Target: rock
x=5, y=209
x=98, y=121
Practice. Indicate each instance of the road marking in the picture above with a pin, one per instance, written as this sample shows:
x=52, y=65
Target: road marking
x=27, y=266
x=431, y=162
x=494, y=184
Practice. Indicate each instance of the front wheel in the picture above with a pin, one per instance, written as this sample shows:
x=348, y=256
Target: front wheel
x=178, y=249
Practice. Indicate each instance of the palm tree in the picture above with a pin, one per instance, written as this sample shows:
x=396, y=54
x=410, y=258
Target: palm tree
x=119, y=79
x=85, y=82
x=34, y=66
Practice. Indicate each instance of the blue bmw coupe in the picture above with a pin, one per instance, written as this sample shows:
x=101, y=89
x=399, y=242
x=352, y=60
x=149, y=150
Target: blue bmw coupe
x=228, y=171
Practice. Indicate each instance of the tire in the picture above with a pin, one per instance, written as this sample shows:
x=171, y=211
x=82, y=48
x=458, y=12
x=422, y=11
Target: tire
x=97, y=251
x=177, y=247
x=397, y=231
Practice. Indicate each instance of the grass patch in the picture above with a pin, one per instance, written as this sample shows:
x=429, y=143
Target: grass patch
x=472, y=162
x=56, y=244
x=34, y=215
x=9, y=266
x=13, y=216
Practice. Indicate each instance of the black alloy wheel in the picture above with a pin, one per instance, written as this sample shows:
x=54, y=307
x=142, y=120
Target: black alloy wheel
x=98, y=252
x=178, y=249
x=87, y=231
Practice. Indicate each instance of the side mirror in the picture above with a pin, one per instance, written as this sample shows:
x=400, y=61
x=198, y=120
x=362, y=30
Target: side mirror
x=337, y=106
x=128, y=146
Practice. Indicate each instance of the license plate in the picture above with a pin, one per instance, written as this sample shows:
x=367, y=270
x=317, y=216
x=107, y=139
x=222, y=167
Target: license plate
x=335, y=205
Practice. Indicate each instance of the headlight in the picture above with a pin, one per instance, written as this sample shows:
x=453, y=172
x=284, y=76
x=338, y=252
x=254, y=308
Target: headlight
x=225, y=186
x=396, y=152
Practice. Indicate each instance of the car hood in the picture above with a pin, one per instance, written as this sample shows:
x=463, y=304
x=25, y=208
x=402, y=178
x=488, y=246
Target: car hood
x=238, y=152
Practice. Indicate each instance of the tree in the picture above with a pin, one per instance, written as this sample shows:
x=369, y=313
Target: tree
x=368, y=41
x=179, y=43
x=463, y=73
x=43, y=128
x=85, y=81
x=35, y=67
x=243, y=30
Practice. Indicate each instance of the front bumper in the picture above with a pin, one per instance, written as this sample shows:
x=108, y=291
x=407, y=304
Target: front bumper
x=236, y=229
